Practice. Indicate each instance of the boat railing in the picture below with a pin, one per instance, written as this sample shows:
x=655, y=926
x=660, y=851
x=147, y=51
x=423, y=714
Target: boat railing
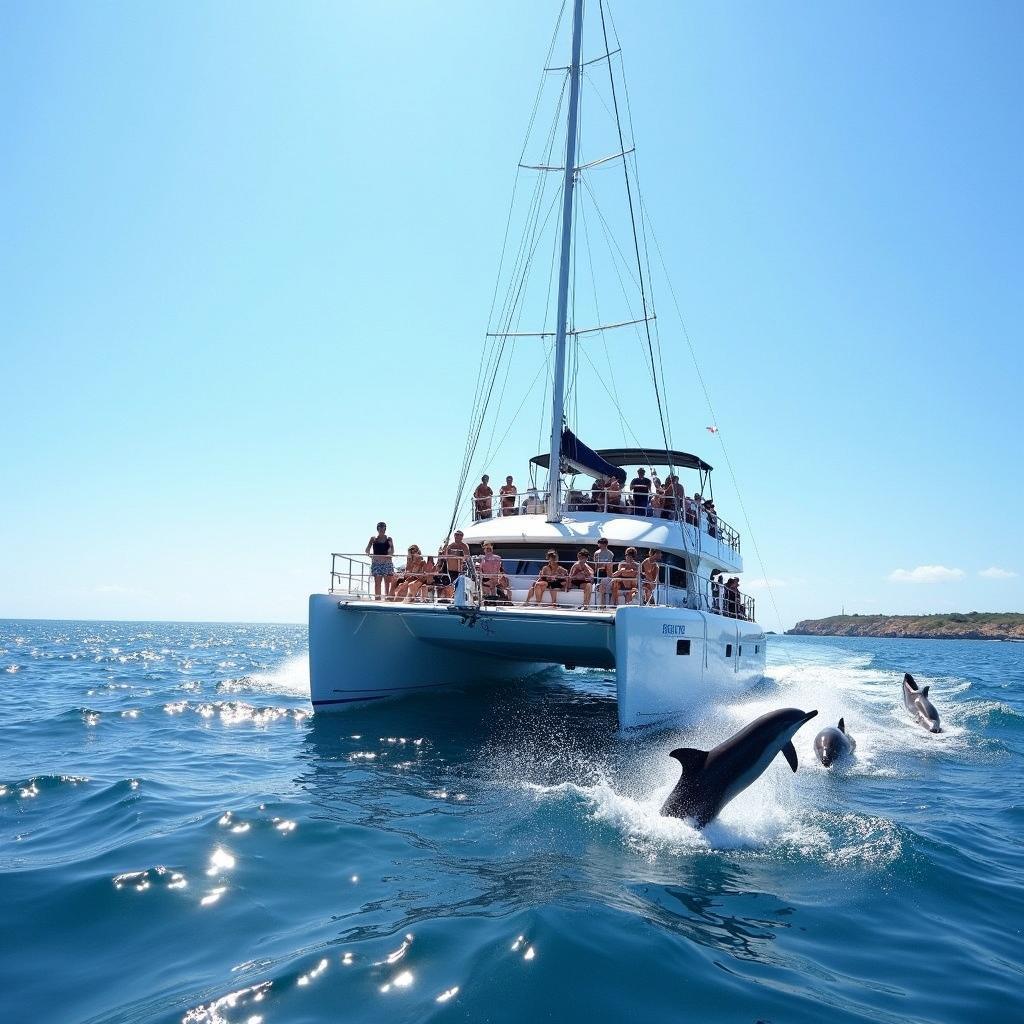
x=514, y=582
x=534, y=502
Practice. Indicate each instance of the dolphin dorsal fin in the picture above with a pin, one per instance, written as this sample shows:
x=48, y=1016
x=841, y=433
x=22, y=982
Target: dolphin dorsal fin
x=925, y=689
x=908, y=680
x=842, y=725
x=690, y=759
x=789, y=751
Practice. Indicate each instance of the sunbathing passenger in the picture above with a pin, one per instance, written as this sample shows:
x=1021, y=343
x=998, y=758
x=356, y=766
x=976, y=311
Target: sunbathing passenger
x=625, y=577
x=581, y=577
x=650, y=571
x=421, y=582
x=409, y=577
x=490, y=569
x=552, y=578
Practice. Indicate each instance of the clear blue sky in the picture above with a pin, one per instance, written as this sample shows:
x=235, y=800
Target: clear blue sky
x=248, y=254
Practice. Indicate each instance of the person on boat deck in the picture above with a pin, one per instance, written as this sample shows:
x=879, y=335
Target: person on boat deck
x=435, y=578
x=503, y=589
x=712, y=518
x=604, y=565
x=598, y=496
x=673, y=497
x=455, y=555
x=691, y=507
x=716, y=591
x=409, y=577
x=508, y=497
x=381, y=547
x=650, y=570
x=732, y=598
x=657, y=496
x=552, y=578
x=490, y=569
x=625, y=576
x=482, y=498
x=640, y=487
x=615, y=503
x=581, y=576
x=421, y=580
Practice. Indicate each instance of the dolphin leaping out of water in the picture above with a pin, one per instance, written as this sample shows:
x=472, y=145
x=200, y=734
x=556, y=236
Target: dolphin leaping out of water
x=711, y=778
x=832, y=743
x=922, y=710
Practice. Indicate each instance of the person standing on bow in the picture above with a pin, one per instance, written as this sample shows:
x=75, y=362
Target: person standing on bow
x=381, y=547
x=482, y=498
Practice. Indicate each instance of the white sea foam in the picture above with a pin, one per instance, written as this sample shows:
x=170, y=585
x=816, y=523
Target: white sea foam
x=784, y=814
x=291, y=676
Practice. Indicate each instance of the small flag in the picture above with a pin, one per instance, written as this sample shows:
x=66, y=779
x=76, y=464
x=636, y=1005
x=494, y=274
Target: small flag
x=712, y=430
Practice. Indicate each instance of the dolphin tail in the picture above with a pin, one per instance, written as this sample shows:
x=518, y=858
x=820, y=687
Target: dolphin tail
x=790, y=753
x=690, y=759
x=842, y=725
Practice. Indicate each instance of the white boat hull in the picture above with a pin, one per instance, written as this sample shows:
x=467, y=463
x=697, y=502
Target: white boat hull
x=670, y=663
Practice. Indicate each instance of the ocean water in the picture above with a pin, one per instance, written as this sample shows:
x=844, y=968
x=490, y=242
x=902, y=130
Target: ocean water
x=182, y=840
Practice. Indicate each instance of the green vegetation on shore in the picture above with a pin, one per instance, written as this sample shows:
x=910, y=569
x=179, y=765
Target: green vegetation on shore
x=945, y=625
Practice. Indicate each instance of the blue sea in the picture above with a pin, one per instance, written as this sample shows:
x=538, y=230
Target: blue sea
x=182, y=840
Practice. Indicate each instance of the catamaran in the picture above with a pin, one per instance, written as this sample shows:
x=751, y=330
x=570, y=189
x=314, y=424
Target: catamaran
x=677, y=635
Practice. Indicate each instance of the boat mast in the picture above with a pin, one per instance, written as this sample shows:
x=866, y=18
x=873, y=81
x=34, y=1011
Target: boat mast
x=558, y=386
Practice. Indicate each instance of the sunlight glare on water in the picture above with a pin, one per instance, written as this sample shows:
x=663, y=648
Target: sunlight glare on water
x=168, y=801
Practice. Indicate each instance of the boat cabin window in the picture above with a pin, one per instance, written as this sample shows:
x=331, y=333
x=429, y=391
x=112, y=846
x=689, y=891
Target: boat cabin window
x=728, y=650
x=682, y=647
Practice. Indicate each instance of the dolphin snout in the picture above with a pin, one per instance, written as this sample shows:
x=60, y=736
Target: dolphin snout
x=809, y=715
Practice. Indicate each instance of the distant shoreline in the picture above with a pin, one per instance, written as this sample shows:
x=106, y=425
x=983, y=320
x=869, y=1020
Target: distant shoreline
x=941, y=626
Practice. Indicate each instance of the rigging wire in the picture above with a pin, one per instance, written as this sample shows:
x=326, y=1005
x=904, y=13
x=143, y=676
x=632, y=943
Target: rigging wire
x=632, y=218
x=714, y=421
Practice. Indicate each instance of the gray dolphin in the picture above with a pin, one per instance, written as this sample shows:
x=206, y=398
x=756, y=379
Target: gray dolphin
x=916, y=700
x=832, y=743
x=711, y=778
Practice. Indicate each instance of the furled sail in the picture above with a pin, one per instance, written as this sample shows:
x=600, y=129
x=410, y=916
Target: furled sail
x=581, y=459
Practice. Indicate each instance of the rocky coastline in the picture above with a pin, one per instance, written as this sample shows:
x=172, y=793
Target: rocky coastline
x=944, y=625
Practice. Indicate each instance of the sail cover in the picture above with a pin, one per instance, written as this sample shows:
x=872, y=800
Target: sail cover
x=581, y=459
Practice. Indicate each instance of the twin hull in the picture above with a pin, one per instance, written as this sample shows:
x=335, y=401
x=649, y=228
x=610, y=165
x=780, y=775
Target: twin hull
x=669, y=662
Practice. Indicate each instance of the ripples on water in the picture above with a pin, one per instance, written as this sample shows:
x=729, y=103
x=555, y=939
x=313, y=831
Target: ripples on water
x=181, y=840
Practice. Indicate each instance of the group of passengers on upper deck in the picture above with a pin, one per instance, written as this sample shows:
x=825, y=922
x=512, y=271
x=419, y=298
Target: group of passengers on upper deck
x=647, y=496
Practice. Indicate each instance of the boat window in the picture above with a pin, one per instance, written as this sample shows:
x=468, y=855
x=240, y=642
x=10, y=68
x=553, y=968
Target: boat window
x=757, y=648
x=739, y=653
x=682, y=647
x=728, y=650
